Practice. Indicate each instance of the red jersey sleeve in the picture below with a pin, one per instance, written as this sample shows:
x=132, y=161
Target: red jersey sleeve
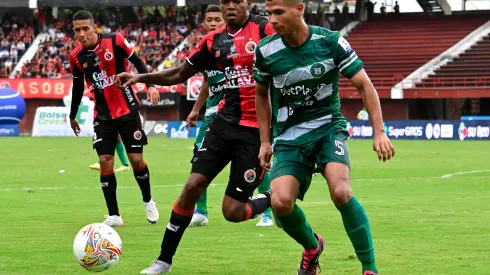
x=122, y=43
x=74, y=67
x=201, y=58
x=266, y=29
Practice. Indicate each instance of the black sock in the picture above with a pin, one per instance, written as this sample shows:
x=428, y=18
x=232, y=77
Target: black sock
x=109, y=186
x=173, y=234
x=257, y=205
x=143, y=179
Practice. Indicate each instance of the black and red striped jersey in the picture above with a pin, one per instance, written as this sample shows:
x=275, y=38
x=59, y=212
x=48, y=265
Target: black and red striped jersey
x=100, y=66
x=233, y=54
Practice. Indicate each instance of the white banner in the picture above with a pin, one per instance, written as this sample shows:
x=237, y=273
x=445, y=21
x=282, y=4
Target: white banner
x=55, y=121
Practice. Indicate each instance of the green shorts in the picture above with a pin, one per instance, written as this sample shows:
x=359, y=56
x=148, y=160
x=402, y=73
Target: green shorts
x=300, y=161
x=203, y=129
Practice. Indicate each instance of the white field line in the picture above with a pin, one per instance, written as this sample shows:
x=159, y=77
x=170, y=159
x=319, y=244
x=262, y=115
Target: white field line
x=222, y=184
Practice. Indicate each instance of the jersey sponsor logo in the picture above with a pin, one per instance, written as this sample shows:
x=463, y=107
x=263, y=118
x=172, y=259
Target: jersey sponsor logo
x=318, y=70
x=233, y=53
x=250, y=175
x=212, y=73
x=108, y=56
x=238, y=77
x=102, y=80
x=250, y=47
x=345, y=45
x=216, y=89
x=295, y=90
x=137, y=135
x=225, y=41
x=127, y=91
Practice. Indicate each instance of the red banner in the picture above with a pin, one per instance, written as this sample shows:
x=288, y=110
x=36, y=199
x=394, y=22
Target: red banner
x=58, y=88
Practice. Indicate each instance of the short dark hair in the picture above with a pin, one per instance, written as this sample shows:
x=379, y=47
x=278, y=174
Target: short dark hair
x=213, y=8
x=83, y=15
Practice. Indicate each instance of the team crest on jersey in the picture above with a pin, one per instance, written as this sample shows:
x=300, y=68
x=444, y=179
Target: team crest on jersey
x=318, y=70
x=250, y=47
x=250, y=175
x=137, y=135
x=108, y=56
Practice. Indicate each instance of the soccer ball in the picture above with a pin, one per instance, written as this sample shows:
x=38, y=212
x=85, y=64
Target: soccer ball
x=97, y=247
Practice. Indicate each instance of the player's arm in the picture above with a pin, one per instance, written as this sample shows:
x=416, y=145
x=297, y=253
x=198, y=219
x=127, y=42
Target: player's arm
x=133, y=57
x=76, y=94
x=263, y=108
x=351, y=67
x=198, y=61
x=200, y=101
x=203, y=95
x=370, y=99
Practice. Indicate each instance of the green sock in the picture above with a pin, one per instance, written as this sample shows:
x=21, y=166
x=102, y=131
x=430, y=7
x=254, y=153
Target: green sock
x=121, y=154
x=299, y=229
x=202, y=201
x=264, y=186
x=356, y=225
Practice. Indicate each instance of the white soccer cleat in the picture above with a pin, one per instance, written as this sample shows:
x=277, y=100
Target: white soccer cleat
x=95, y=166
x=152, y=214
x=265, y=220
x=123, y=168
x=157, y=267
x=113, y=221
x=199, y=219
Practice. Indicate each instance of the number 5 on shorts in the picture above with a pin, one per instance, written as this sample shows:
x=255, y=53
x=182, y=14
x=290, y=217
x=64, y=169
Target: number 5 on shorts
x=340, y=146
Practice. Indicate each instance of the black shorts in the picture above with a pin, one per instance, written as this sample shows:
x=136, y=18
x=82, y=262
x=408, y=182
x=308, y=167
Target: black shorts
x=225, y=142
x=130, y=129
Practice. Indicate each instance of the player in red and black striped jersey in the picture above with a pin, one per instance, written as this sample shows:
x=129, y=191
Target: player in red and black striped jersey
x=97, y=61
x=232, y=136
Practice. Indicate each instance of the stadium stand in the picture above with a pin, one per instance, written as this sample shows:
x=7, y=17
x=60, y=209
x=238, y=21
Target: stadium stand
x=153, y=36
x=16, y=35
x=470, y=69
x=393, y=47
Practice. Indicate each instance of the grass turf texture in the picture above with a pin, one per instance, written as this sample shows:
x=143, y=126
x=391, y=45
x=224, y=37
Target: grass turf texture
x=422, y=223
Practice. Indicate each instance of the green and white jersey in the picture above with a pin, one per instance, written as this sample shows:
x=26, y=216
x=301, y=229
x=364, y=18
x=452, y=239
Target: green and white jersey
x=217, y=85
x=304, y=83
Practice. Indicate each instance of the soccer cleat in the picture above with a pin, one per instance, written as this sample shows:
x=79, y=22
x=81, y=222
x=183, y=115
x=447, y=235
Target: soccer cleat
x=309, y=261
x=122, y=168
x=199, y=219
x=113, y=221
x=265, y=220
x=369, y=272
x=157, y=267
x=152, y=214
x=95, y=166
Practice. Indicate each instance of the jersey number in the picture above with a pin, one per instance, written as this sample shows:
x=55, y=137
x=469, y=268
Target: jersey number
x=339, y=145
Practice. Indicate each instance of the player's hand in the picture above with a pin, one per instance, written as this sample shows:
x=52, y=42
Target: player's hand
x=124, y=80
x=265, y=155
x=191, y=120
x=75, y=126
x=153, y=95
x=383, y=146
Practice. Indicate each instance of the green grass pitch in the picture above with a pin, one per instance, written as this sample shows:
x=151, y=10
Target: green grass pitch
x=428, y=216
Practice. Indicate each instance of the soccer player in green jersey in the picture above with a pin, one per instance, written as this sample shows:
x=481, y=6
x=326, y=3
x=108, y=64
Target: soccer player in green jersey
x=301, y=65
x=211, y=93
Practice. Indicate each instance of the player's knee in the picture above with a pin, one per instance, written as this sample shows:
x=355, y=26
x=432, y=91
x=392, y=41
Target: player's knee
x=340, y=192
x=282, y=203
x=106, y=162
x=233, y=212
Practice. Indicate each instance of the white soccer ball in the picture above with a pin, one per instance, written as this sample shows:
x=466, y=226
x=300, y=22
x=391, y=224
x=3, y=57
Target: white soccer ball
x=97, y=247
